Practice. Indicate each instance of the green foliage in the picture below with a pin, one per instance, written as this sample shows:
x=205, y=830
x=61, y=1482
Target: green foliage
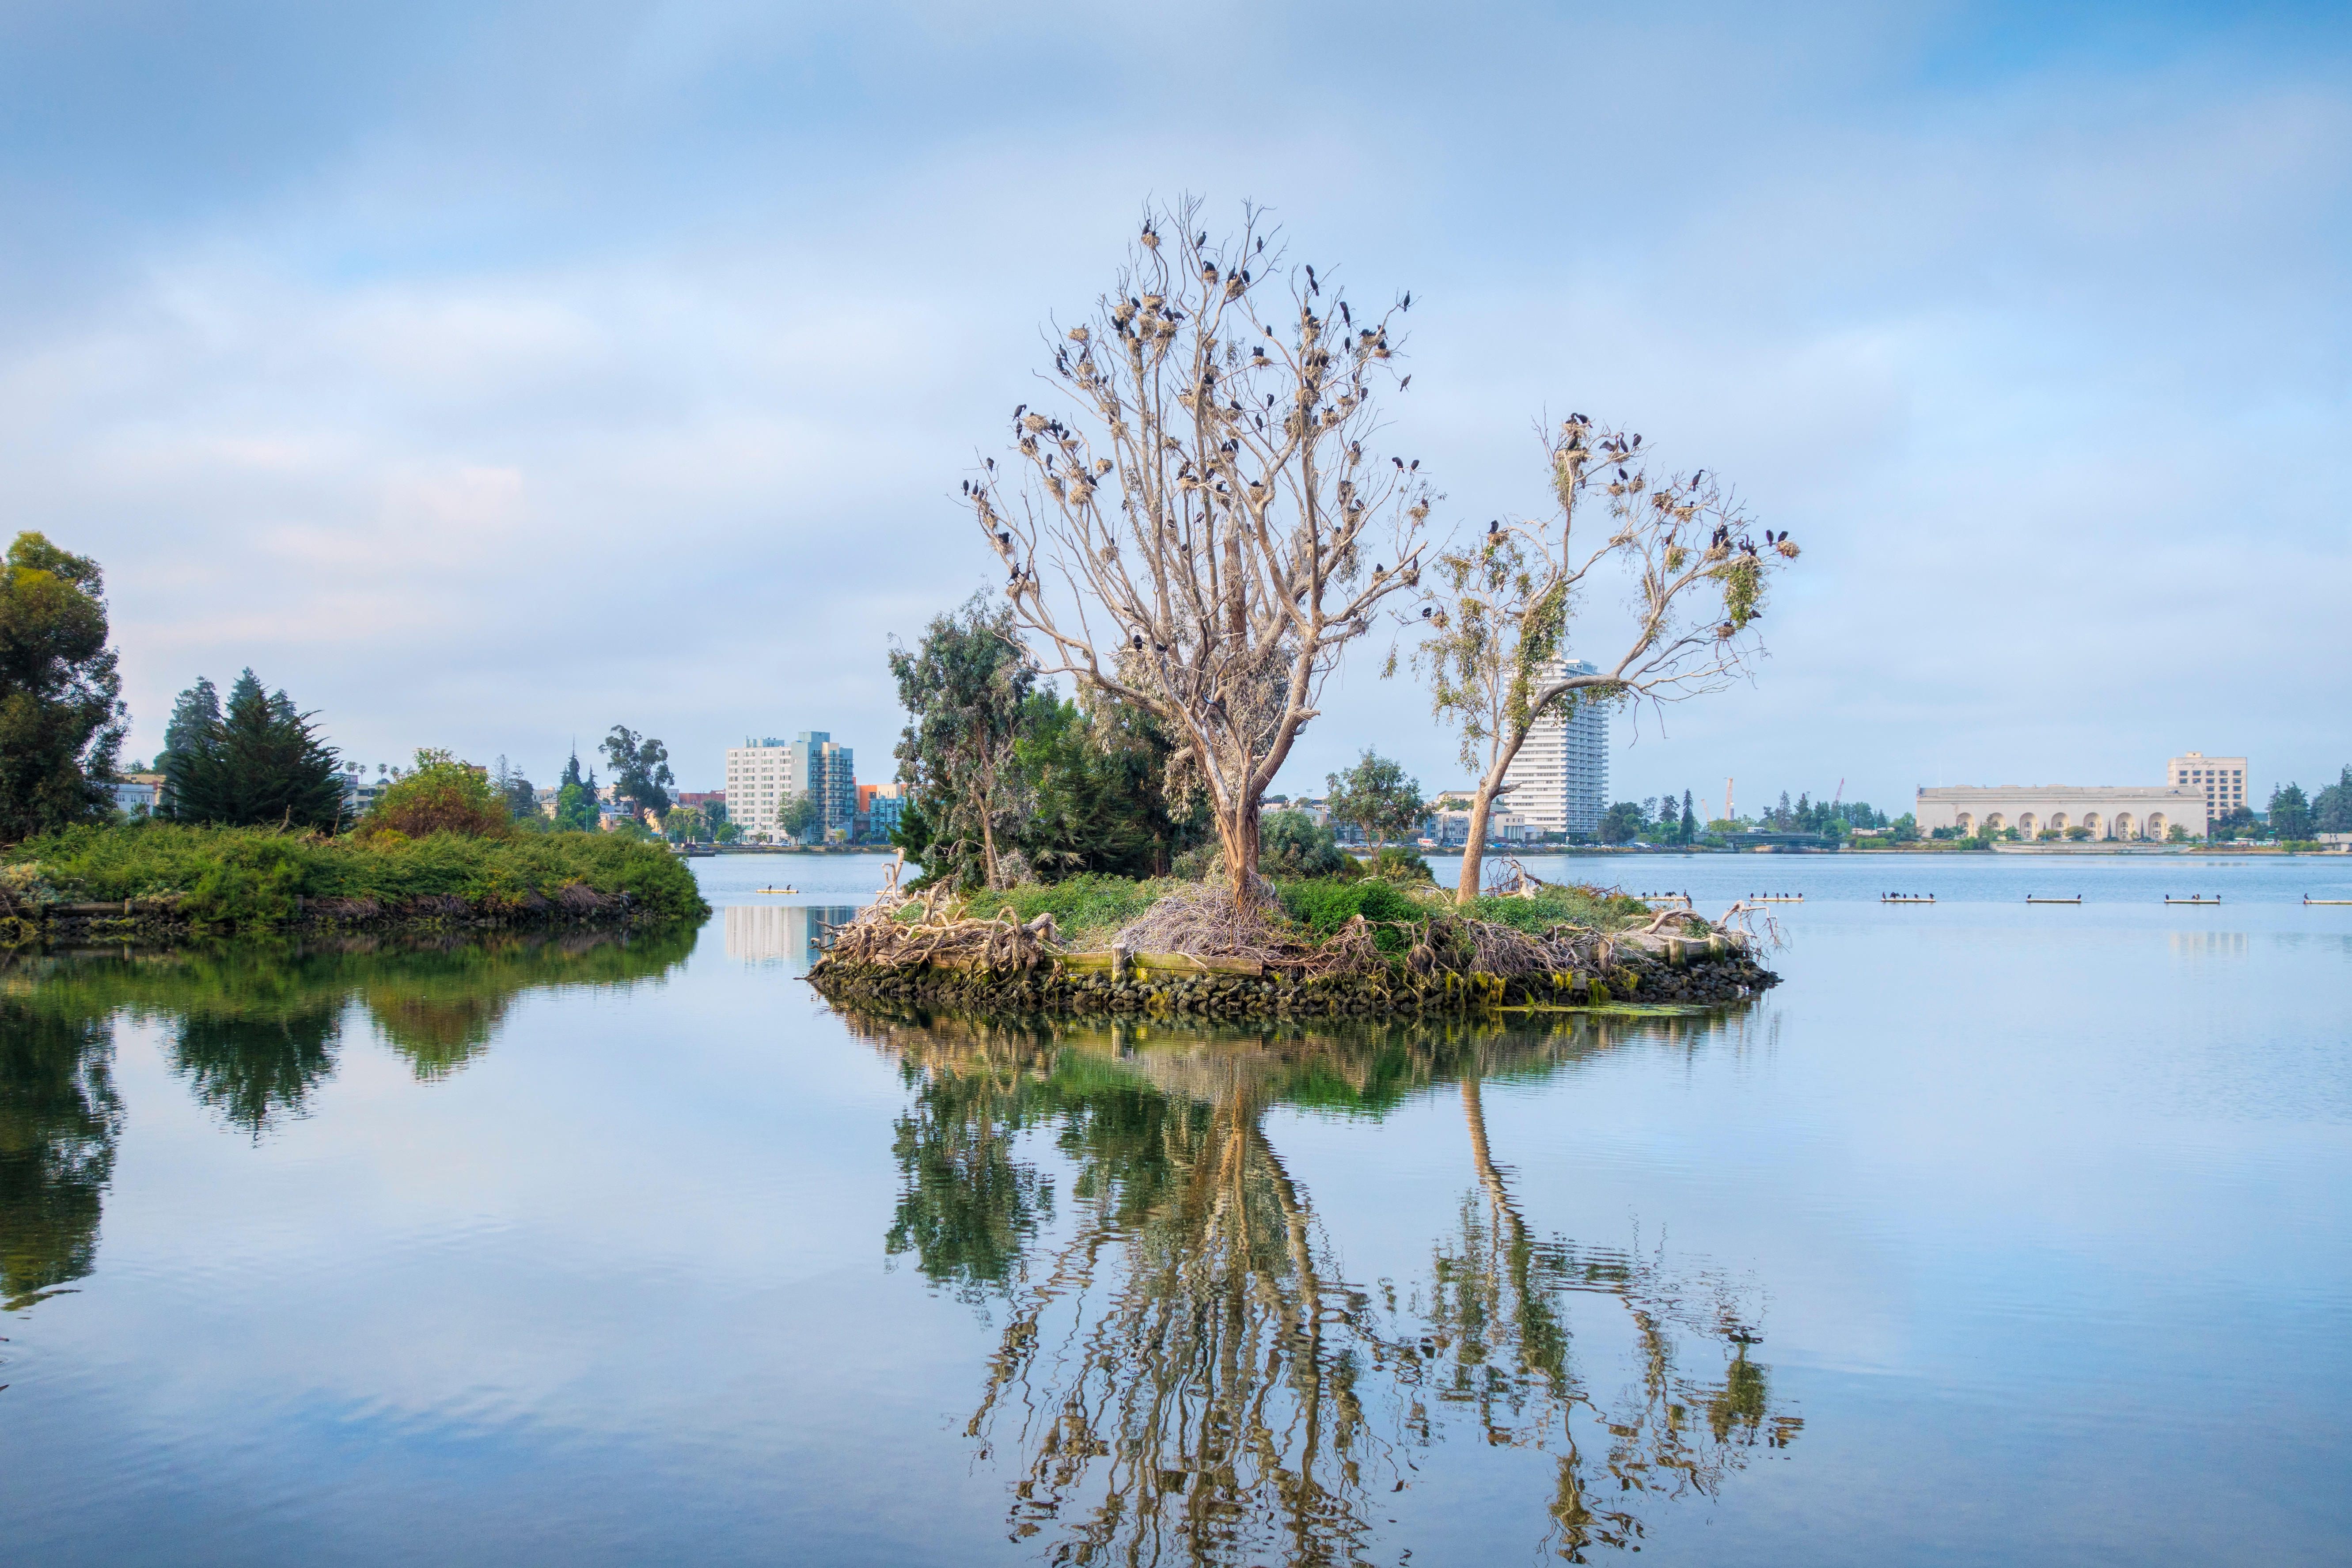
x=1094, y=782
x=1556, y=905
x=798, y=815
x=2290, y=813
x=1293, y=845
x=963, y=688
x=248, y=878
x=1375, y=798
x=640, y=769
x=1622, y=823
x=441, y=794
x=1325, y=904
x=61, y=718
x=58, y=1133
x=258, y=761
x=1400, y=864
x=1089, y=904
x=2331, y=808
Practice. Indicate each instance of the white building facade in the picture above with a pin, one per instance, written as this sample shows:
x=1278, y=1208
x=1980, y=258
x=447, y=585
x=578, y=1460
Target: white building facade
x=2223, y=780
x=1560, y=778
x=2120, y=812
x=764, y=777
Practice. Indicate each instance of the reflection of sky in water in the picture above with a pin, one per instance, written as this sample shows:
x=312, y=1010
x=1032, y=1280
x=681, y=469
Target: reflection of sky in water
x=2037, y=1215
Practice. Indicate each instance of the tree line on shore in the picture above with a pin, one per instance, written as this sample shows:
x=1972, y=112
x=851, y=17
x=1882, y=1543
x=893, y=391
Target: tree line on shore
x=253, y=760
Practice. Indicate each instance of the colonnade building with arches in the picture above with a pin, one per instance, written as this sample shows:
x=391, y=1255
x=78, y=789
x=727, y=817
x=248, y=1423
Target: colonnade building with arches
x=2121, y=811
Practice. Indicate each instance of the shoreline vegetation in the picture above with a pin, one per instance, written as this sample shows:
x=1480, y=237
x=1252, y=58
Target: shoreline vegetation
x=1370, y=945
x=149, y=882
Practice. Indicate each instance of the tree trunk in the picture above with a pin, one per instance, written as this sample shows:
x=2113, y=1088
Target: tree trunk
x=1474, y=853
x=1237, y=834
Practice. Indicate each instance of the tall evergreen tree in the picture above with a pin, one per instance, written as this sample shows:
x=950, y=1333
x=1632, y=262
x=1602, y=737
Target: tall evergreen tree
x=62, y=715
x=1690, y=821
x=575, y=798
x=195, y=719
x=261, y=763
x=2331, y=808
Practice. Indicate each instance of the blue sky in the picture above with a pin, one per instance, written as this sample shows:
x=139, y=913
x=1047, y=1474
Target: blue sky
x=489, y=375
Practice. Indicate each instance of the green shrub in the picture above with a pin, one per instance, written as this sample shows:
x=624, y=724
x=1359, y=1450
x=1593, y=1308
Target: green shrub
x=1398, y=864
x=441, y=794
x=1092, y=904
x=1327, y=903
x=1554, y=906
x=250, y=875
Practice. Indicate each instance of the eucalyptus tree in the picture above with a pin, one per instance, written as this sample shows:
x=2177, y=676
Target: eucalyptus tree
x=1502, y=607
x=1195, y=522
x=61, y=717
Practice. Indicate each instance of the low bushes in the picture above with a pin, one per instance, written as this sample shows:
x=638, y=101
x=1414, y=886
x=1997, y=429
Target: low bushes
x=251, y=876
x=1090, y=905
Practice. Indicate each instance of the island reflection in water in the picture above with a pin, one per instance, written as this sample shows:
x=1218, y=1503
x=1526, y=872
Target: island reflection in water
x=1184, y=1374
x=254, y=1029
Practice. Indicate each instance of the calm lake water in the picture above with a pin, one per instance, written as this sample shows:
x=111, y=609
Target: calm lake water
x=1996, y=1234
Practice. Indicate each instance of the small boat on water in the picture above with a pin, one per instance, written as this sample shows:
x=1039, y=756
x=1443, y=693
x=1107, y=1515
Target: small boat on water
x=1776, y=898
x=2197, y=899
x=775, y=889
x=1907, y=898
x=2031, y=899
x=2309, y=900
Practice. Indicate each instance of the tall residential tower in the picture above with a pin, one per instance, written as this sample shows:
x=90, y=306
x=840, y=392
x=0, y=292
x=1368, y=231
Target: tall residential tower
x=764, y=776
x=1562, y=772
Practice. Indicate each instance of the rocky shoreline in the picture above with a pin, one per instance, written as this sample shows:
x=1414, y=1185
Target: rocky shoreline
x=1717, y=974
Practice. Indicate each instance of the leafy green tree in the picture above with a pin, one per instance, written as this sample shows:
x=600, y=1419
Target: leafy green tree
x=1095, y=776
x=640, y=768
x=1622, y=823
x=440, y=795
x=964, y=688
x=685, y=824
x=59, y=1119
x=1293, y=845
x=2290, y=813
x=1376, y=798
x=798, y=815
x=62, y=715
x=2331, y=808
x=261, y=763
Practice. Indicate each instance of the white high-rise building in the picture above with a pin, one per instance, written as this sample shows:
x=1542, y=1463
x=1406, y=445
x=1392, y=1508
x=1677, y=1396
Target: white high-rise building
x=764, y=777
x=1562, y=772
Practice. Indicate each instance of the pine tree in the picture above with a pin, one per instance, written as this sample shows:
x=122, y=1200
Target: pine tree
x=195, y=724
x=1690, y=821
x=260, y=763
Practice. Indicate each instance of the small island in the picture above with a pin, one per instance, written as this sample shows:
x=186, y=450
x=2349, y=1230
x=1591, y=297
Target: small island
x=1371, y=945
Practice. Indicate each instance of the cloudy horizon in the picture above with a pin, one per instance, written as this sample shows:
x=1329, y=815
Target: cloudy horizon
x=490, y=376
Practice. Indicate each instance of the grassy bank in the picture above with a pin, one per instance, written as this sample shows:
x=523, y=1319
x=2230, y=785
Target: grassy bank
x=254, y=877
x=1088, y=909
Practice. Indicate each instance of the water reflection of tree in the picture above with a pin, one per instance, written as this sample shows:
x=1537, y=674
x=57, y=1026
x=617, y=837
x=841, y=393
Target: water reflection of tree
x=1184, y=1374
x=253, y=1028
x=59, y=1117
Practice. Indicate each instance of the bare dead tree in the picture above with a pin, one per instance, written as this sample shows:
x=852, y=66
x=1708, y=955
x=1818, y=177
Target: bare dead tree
x=1201, y=489
x=1500, y=612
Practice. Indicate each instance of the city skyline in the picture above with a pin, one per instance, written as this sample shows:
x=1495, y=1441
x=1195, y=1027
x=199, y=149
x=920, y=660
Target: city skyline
x=425, y=363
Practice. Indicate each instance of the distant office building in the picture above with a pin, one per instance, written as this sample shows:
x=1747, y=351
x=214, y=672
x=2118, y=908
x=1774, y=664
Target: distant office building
x=1561, y=774
x=2223, y=780
x=2104, y=811
x=764, y=777
x=879, y=808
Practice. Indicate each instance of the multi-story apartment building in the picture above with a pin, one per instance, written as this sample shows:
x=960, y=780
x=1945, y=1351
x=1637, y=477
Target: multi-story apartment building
x=2223, y=780
x=880, y=807
x=764, y=777
x=1561, y=774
